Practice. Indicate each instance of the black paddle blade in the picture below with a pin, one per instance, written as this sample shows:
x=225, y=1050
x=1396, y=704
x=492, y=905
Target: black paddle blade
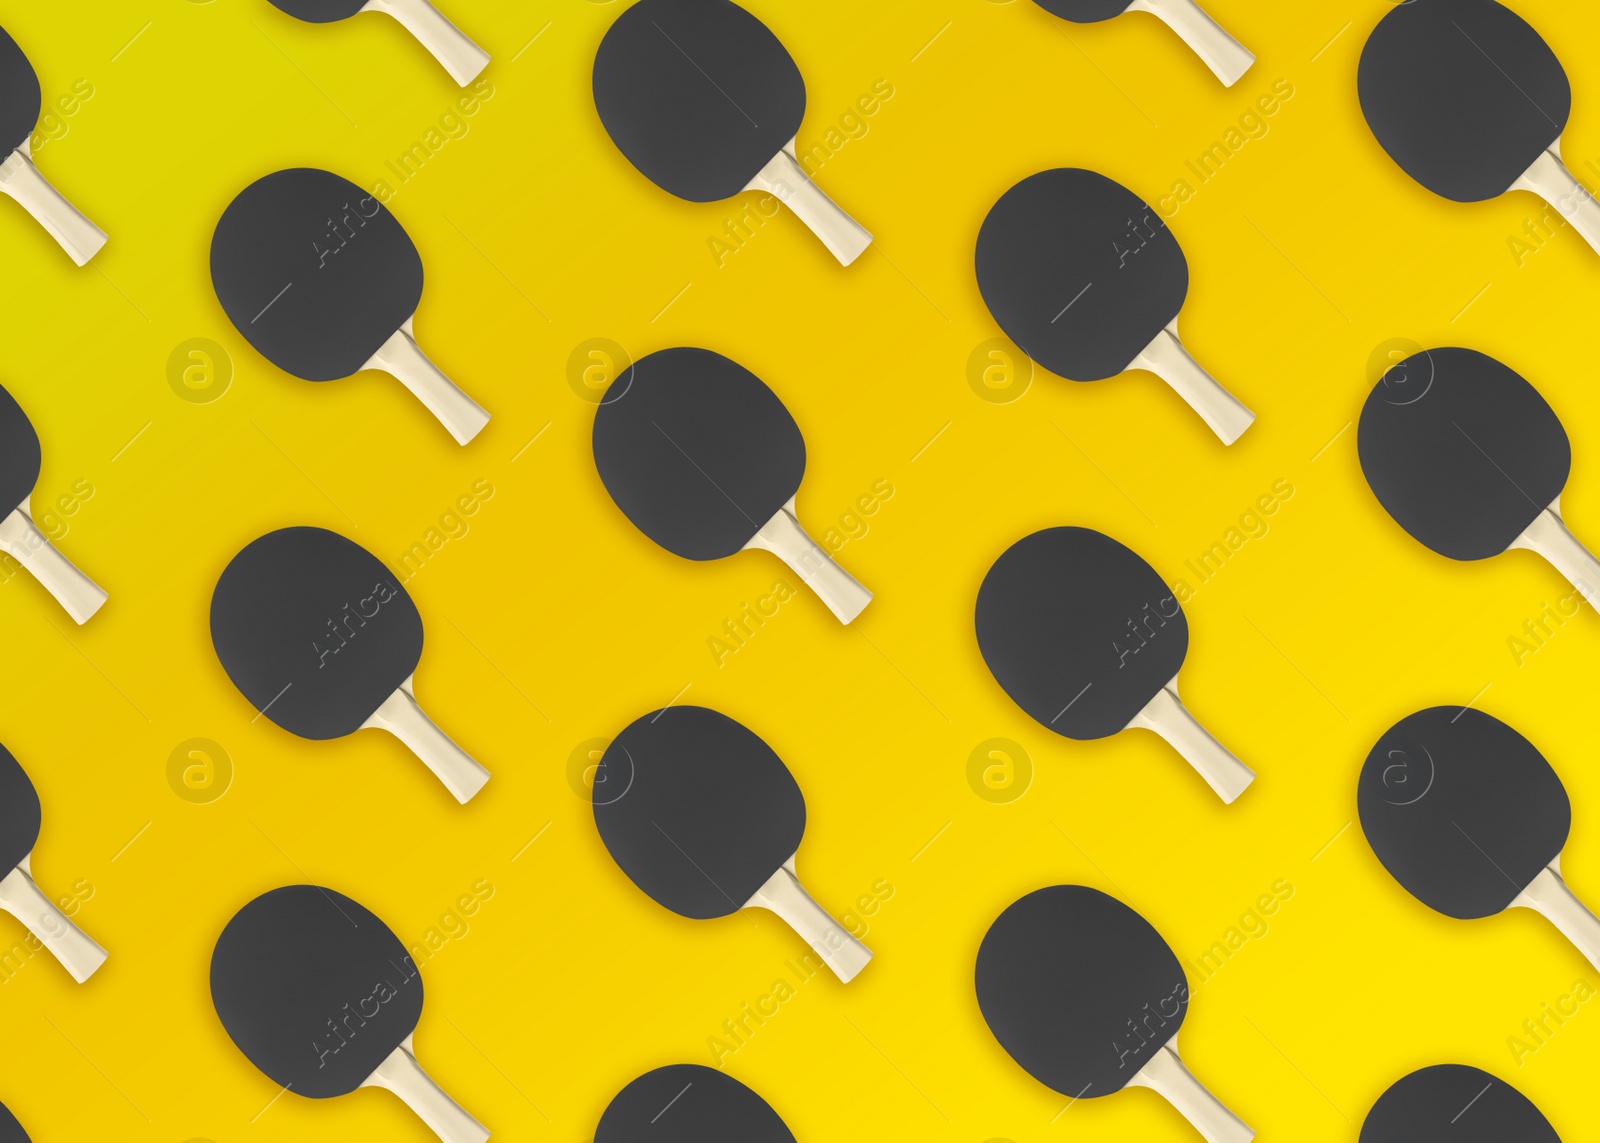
x=1084, y=11
x=314, y=272
x=1079, y=630
x=1463, y=94
x=1079, y=989
x=697, y=810
x=20, y=457
x=314, y=630
x=10, y=1130
x=1454, y=1103
x=314, y=989
x=20, y=97
x=1461, y=451
x=19, y=813
x=688, y=1103
x=696, y=451
x=1079, y=272
x=1461, y=810
x=320, y=11
x=698, y=94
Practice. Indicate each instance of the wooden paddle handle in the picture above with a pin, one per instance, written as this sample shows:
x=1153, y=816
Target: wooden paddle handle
x=836, y=587
x=1548, y=536
x=401, y=1074
x=785, y=179
x=784, y=895
x=1167, y=716
x=402, y=717
x=402, y=357
x=20, y=179
x=462, y=58
x=1548, y=894
x=1550, y=179
x=1169, y=360
x=76, y=592
x=74, y=948
x=1166, y=1075
x=1227, y=58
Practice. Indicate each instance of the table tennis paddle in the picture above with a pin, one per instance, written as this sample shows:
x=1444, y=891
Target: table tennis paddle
x=462, y=58
x=319, y=636
x=689, y=1103
x=20, y=104
x=1470, y=102
x=1088, y=281
x=324, y=282
x=323, y=998
x=706, y=461
x=1084, y=994
x=701, y=97
x=706, y=819
x=20, y=538
x=1086, y=639
x=1454, y=1103
x=1470, y=819
x=20, y=815
x=10, y=1130
x=1227, y=58
x=1470, y=460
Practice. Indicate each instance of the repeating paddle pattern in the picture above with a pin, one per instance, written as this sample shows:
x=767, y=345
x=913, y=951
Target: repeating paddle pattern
x=1054, y=991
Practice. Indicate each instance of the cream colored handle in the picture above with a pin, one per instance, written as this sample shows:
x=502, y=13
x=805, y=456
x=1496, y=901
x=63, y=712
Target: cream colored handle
x=79, y=237
x=1169, y=360
x=402, y=717
x=404, y=359
x=1548, y=536
x=1167, y=716
x=1550, y=179
x=1227, y=58
x=76, y=592
x=75, y=949
x=785, y=179
x=783, y=536
x=401, y=1074
x=1165, y=1074
x=1548, y=895
x=462, y=58
x=784, y=895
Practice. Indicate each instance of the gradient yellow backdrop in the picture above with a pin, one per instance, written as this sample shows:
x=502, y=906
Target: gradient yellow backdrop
x=552, y=623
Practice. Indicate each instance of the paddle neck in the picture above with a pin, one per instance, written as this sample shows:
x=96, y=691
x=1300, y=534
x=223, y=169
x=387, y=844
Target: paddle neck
x=1166, y=1075
x=1548, y=894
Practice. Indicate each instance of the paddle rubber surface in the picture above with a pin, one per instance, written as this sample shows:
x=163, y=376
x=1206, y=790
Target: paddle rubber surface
x=1461, y=451
x=314, y=989
x=19, y=813
x=1079, y=630
x=1454, y=1103
x=1463, y=94
x=320, y=11
x=314, y=272
x=1062, y=972
x=314, y=630
x=698, y=94
x=689, y=1103
x=1079, y=272
x=1084, y=11
x=10, y=1130
x=20, y=457
x=20, y=98
x=696, y=451
x=1461, y=810
x=697, y=810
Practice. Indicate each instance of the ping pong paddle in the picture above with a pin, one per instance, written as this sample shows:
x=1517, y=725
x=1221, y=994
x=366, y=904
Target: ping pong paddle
x=1227, y=58
x=701, y=97
x=20, y=104
x=1470, y=460
x=1084, y=994
x=1088, y=281
x=706, y=819
x=1454, y=1103
x=20, y=538
x=1470, y=102
x=689, y=1103
x=706, y=461
x=1467, y=815
x=324, y=282
x=318, y=635
x=20, y=814
x=10, y=1130
x=462, y=58
x=323, y=998
x=1086, y=638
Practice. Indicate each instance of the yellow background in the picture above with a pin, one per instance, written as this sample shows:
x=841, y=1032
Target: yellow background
x=552, y=622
